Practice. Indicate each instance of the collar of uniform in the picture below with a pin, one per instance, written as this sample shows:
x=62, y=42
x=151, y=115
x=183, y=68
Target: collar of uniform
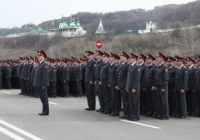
x=112, y=63
x=180, y=67
x=171, y=66
x=90, y=59
x=161, y=64
x=133, y=64
x=190, y=67
x=124, y=62
x=141, y=63
x=42, y=61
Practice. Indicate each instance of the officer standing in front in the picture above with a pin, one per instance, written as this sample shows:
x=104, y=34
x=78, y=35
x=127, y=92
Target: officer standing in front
x=41, y=81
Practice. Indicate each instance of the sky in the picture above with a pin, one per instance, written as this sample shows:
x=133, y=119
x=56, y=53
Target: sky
x=15, y=13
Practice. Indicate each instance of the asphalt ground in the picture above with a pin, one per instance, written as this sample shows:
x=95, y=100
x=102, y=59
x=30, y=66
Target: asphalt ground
x=19, y=120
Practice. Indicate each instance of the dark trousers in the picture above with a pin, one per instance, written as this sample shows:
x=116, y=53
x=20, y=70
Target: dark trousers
x=79, y=88
x=182, y=104
x=198, y=103
x=149, y=101
x=59, y=87
x=154, y=96
x=52, y=89
x=44, y=99
x=115, y=101
x=0, y=82
x=189, y=102
x=100, y=96
x=106, y=96
x=6, y=83
x=90, y=95
x=172, y=101
x=134, y=101
x=163, y=103
x=125, y=100
x=194, y=100
x=65, y=90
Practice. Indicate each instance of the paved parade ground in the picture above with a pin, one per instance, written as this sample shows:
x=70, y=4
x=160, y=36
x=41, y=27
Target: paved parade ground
x=19, y=120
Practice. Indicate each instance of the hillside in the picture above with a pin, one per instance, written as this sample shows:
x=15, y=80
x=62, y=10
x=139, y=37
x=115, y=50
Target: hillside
x=180, y=42
x=119, y=22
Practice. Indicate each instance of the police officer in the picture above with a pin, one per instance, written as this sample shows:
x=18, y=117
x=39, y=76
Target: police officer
x=161, y=85
x=1, y=74
x=171, y=86
x=181, y=80
x=112, y=81
x=52, y=79
x=41, y=81
x=121, y=84
x=191, y=93
x=149, y=79
x=97, y=67
x=104, y=83
x=89, y=82
x=133, y=88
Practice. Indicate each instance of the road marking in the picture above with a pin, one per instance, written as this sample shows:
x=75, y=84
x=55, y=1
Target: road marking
x=10, y=134
x=53, y=103
x=5, y=92
x=142, y=124
x=23, y=132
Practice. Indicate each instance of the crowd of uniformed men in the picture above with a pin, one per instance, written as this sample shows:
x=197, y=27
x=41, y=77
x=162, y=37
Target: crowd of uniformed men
x=156, y=86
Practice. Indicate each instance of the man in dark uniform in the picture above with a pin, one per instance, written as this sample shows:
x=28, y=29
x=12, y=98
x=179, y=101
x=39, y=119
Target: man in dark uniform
x=65, y=78
x=161, y=85
x=141, y=60
x=191, y=93
x=112, y=81
x=133, y=88
x=78, y=78
x=104, y=83
x=121, y=84
x=171, y=86
x=83, y=67
x=52, y=79
x=89, y=82
x=41, y=81
x=97, y=67
x=7, y=76
x=149, y=79
x=1, y=74
x=197, y=83
x=181, y=80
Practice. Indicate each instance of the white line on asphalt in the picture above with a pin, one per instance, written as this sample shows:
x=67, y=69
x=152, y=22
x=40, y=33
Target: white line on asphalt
x=10, y=134
x=53, y=103
x=142, y=124
x=5, y=92
x=29, y=135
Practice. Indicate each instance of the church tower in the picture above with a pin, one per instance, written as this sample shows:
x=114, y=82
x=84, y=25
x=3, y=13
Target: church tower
x=100, y=29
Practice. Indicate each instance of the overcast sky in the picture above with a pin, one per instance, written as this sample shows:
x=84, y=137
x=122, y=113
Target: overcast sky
x=19, y=12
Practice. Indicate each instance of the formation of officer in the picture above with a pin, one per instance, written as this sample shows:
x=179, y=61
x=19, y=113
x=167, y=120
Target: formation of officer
x=66, y=76
x=128, y=86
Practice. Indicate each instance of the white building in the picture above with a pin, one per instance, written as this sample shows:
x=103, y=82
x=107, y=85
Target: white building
x=150, y=27
x=100, y=29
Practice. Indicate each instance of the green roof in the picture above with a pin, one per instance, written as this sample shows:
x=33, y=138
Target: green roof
x=38, y=30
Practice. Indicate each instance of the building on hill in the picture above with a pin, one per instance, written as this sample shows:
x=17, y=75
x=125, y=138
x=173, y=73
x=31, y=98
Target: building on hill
x=100, y=29
x=69, y=28
x=150, y=28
